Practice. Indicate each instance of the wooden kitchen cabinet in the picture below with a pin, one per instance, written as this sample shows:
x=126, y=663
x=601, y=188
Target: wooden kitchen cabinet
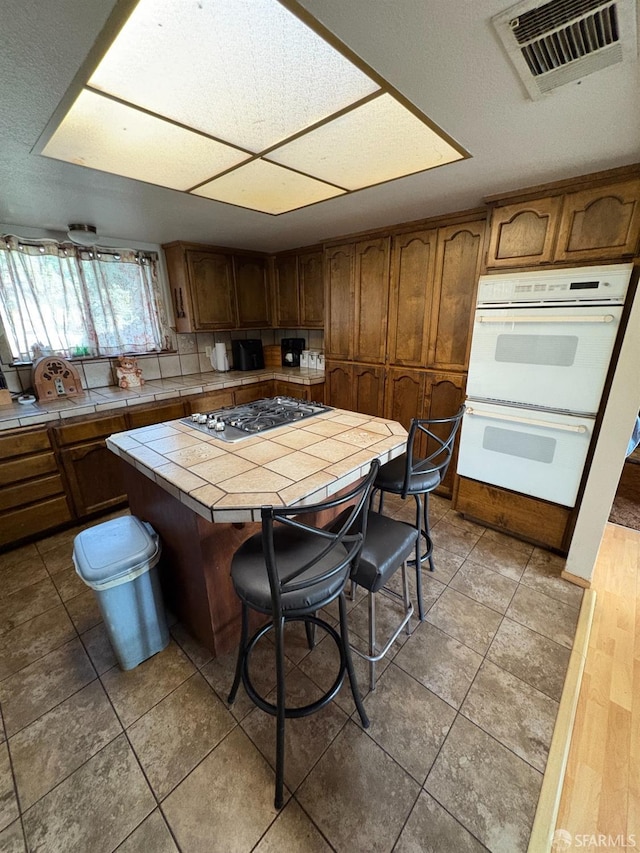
x=94, y=476
x=32, y=498
x=249, y=393
x=404, y=397
x=202, y=287
x=457, y=269
x=444, y=393
x=412, y=273
x=252, y=292
x=338, y=384
x=425, y=394
x=434, y=275
x=578, y=222
x=339, y=301
x=523, y=234
x=93, y=473
x=298, y=290
x=210, y=401
x=371, y=293
x=533, y=519
x=368, y=390
x=214, y=289
x=354, y=386
x=311, y=289
x=357, y=298
x=154, y=413
x=311, y=393
x=286, y=307
x=600, y=223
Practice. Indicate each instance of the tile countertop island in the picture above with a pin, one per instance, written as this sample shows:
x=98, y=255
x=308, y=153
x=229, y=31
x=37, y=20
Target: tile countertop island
x=203, y=495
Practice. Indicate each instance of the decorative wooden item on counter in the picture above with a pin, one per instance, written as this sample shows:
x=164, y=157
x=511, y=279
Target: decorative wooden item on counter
x=128, y=373
x=272, y=355
x=54, y=376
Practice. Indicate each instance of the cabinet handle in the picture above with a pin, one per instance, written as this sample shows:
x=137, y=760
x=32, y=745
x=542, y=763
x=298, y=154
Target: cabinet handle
x=529, y=421
x=516, y=318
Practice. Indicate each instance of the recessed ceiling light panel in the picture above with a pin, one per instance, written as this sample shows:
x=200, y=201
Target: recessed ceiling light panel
x=241, y=102
x=103, y=134
x=268, y=188
x=249, y=73
x=375, y=142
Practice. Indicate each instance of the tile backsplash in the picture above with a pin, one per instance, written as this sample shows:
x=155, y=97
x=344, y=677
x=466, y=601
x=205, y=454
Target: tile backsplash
x=189, y=358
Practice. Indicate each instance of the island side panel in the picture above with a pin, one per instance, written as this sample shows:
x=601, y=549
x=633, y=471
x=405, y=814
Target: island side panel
x=195, y=564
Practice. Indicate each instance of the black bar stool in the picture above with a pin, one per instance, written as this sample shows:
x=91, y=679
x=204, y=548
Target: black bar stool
x=289, y=571
x=410, y=475
x=387, y=546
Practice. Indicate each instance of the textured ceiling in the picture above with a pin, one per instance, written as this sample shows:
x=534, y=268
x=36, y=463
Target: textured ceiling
x=440, y=54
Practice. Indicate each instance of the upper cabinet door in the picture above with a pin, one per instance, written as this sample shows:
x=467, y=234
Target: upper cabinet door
x=523, y=234
x=412, y=272
x=212, y=290
x=285, y=293
x=458, y=260
x=600, y=224
x=371, y=288
x=339, y=301
x=252, y=289
x=311, y=283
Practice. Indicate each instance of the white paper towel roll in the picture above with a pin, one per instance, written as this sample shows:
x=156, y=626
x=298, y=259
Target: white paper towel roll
x=220, y=361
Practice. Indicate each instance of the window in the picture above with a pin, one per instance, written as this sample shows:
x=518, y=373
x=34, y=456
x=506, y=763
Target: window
x=79, y=302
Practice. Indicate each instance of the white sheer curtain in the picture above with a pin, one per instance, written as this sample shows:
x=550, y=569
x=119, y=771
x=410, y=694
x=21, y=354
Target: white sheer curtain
x=76, y=301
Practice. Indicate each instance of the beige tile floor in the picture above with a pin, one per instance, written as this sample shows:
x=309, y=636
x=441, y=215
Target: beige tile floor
x=93, y=759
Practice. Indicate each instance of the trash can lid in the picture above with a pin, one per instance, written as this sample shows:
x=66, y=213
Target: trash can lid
x=115, y=549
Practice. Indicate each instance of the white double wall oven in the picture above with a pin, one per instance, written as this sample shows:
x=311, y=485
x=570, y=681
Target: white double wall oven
x=540, y=353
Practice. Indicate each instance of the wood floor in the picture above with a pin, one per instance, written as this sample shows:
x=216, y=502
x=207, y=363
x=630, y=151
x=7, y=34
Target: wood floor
x=601, y=793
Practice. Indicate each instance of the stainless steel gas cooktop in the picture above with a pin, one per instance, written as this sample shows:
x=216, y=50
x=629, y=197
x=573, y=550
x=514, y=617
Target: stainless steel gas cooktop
x=233, y=423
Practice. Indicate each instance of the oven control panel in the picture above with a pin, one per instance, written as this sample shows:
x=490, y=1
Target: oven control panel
x=581, y=285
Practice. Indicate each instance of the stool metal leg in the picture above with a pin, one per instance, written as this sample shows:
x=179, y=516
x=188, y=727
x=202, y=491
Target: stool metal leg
x=418, y=558
x=310, y=630
x=427, y=532
x=244, y=633
x=372, y=641
x=344, y=633
x=407, y=600
x=280, y=716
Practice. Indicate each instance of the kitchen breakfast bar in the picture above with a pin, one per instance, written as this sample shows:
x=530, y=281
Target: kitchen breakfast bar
x=203, y=496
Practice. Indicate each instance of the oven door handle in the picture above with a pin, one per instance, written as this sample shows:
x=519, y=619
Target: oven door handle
x=529, y=421
x=517, y=318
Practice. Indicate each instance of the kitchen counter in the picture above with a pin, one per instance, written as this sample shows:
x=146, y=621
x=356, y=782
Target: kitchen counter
x=112, y=397
x=203, y=496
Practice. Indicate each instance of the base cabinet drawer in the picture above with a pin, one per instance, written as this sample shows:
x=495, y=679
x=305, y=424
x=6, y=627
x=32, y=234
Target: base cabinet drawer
x=31, y=491
x=28, y=521
x=23, y=468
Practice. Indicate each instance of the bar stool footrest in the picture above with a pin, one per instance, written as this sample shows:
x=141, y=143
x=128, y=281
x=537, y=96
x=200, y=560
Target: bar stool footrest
x=303, y=710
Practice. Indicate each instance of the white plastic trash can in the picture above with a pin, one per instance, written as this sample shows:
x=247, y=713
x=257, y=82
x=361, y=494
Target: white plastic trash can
x=117, y=560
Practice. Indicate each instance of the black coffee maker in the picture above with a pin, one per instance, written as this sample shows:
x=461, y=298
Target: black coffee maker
x=291, y=349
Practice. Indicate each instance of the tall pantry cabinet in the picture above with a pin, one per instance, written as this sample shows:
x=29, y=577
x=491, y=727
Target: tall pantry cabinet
x=399, y=310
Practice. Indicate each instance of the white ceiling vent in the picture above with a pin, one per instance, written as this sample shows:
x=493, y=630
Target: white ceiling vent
x=563, y=41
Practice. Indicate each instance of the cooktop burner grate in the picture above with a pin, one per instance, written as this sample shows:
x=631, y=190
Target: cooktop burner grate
x=233, y=423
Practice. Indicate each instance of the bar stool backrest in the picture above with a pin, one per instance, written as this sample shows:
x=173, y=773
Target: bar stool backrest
x=436, y=461
x=343, y=539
